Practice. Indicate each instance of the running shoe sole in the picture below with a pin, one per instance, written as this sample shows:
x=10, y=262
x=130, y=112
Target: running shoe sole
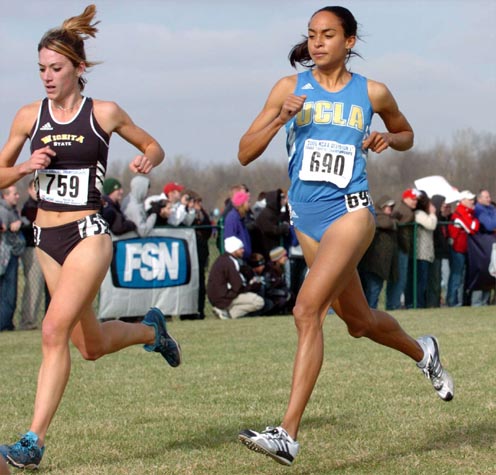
x=246, y=440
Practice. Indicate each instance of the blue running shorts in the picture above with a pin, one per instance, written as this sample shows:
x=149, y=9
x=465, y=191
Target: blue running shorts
x=314, y=218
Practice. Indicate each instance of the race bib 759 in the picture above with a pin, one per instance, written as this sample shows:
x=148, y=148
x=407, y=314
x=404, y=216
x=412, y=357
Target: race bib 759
x=68, y=187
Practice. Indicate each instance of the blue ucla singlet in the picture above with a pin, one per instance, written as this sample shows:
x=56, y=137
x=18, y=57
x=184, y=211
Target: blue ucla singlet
x=324, y=140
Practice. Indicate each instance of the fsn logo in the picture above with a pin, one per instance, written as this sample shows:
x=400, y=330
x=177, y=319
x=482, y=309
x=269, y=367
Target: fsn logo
x=151, y=262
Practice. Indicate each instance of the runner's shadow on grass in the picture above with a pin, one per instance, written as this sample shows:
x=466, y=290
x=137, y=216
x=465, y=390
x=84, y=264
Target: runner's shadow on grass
x=479, y=435
x=214, y=436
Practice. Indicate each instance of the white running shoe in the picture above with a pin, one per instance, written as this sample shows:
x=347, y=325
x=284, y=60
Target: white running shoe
x=433, y=369
x=222, y=314
x=273, y=441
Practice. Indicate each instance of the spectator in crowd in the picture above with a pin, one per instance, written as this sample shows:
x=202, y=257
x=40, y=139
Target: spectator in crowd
x=434, y=296
x=464, y=223
x=297, y=265
x=183, y=212
x=33, y=297
x=270, y=221
x=134, y=206
x=425, y=217
x=162, y=208
x=228, y=205
x=380, y=262
x=162, y=197
x=203, y=231
x=234, y=223
x=277, y=288
x=404, y=214
x=485, y=212
x=111, y=208
x=226, y=288
x=172, y=191
x=253, y=272
x=12, y=245
x=259, y=205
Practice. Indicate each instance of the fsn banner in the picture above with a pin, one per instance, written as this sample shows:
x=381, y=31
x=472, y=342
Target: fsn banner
x=159, y=270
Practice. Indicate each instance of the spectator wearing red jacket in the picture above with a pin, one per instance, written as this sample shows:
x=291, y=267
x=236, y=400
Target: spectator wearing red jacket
x=464, y=223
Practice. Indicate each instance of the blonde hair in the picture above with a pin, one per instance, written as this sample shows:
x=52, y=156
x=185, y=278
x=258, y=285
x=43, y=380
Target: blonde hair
x=68, y=40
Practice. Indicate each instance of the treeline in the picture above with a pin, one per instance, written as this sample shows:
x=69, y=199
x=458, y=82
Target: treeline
x=468, y=163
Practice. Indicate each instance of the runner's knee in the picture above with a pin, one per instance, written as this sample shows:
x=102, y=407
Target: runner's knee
x=53, y=334
x=306, y=314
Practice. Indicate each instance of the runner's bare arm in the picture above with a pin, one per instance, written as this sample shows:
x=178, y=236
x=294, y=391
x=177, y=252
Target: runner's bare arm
x=280, y=107
x=114, y=119
x=399, y=135
x=10, y=173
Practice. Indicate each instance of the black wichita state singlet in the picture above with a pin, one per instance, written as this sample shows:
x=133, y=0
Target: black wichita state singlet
x=74, y=179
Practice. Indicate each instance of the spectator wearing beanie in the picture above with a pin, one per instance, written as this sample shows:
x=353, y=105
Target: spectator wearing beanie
x=234, y=224
x=226, y=288
x=275, y=280
x=254, y=274
x=111, y=208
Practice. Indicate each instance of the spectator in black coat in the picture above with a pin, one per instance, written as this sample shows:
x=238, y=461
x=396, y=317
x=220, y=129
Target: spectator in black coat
x=227, y=288
x=271, y=223
x=203, y=231
x=380, y=262
x=277, y=288
x=254, y=273
x=111, y=208
x=441, y=252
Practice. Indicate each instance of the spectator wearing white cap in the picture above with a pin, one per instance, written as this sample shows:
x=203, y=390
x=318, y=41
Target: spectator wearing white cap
x=464, y=223
x=226, y=288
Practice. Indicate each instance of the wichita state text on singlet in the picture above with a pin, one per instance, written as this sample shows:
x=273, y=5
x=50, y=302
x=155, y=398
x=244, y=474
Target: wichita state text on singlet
x=74, y=178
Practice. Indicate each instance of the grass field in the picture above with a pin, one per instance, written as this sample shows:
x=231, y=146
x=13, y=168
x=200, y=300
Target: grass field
x=372, y=411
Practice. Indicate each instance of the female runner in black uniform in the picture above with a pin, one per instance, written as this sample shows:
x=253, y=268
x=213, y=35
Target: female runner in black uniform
x=69, y=136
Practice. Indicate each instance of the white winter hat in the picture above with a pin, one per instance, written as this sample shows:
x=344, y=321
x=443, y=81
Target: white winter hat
x=232, y=244
x=466, y=195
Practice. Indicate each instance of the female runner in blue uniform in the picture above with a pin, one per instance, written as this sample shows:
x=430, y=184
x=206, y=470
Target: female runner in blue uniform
x=327, y=111
x=69, y=136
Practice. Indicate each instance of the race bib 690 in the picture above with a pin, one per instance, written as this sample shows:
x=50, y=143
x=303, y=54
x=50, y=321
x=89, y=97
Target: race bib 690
x=327, y=160
x=68, y=187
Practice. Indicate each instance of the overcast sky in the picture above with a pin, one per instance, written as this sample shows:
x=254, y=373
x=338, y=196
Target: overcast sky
x=194, y=73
